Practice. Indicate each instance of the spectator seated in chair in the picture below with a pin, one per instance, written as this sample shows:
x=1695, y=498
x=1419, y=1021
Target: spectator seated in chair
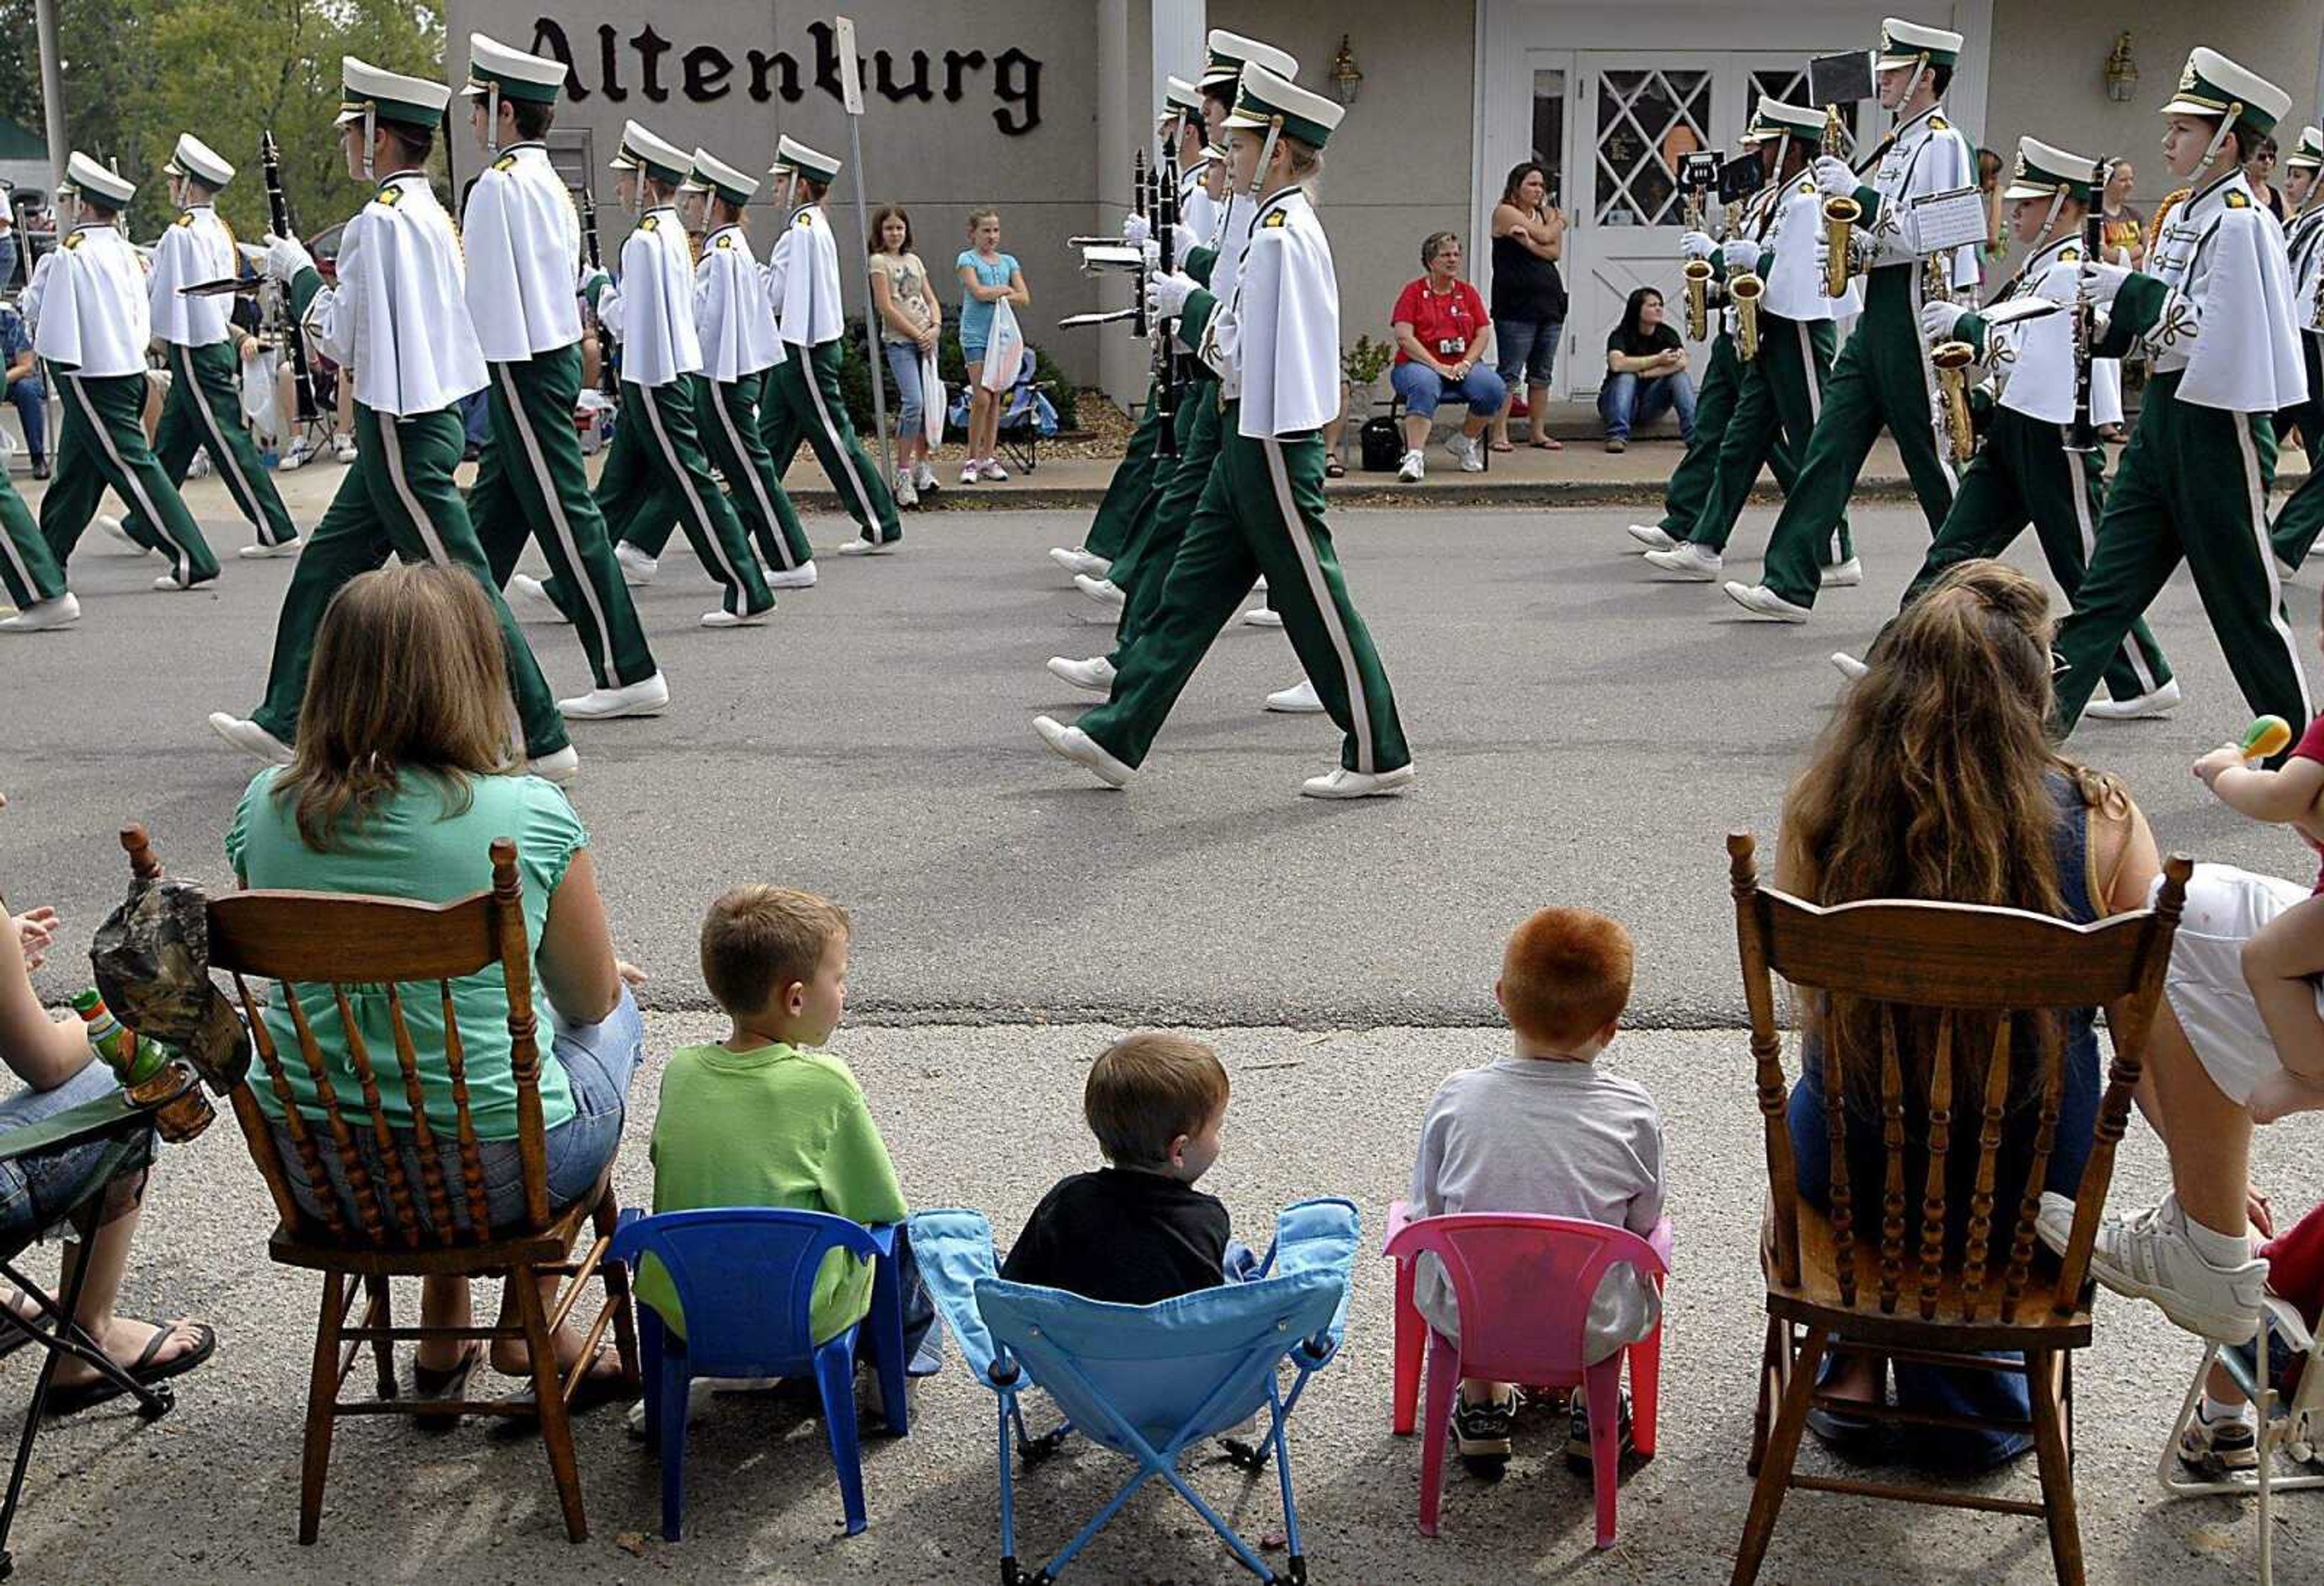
x=25, y=392
x=1444, y=349
x=1646, y=373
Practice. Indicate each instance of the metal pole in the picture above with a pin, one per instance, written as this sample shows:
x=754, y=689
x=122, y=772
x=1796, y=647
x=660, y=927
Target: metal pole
x=871, y=303
x=52, y=88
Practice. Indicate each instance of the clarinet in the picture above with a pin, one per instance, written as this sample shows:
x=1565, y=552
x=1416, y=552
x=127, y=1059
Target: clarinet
x=1164, y=350
x=608, y=380
x=294, y=334
x=1140, y=189
x=2081, y=434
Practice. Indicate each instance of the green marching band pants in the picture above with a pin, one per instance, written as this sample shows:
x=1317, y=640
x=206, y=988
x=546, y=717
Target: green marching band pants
x=103, y=446
x=1778, y=398
x=397, y=500
x=727, y=415
x=1714, y=402
x=1144, y=569
x=803, y=404
x=532, y=483
x=2301, y=519
x=655, y=473
x=204, y=411
x=1261, y=513
x=27, y=571
x=1126, y=491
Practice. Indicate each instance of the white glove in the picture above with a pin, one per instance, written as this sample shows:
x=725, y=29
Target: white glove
x=1741, y=255
x=286, y=256
x=1939, y=321
x=2105, y=281
x=1135, y=229
x=595, y=279
x=1167, y=295
x=1834, y=177
x=1182, y=241
x=1697, y=244
x=1153, y=254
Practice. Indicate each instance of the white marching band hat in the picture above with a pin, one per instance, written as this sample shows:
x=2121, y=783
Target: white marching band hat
x=389, y=95
x=649, y=155
x=85, y=177
x=493, y=65
x=1777, y=119
x=2308, y=153
x=1265, y=98
x=1905, y=44
x=713, y=175
x=1229, y=53
x=198, y=160
x=1179, y=97
x=791, y=155
x=2043, y=168
x=2213, y=85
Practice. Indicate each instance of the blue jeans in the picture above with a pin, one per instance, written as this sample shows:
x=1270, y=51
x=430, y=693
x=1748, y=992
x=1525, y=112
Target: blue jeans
x=476, y=416
x=34, y=1190
x=904, y=369
x=1528, y=348
x=1422, y=389
x=31, y=403
x=1626, y=401
x=599, y=1060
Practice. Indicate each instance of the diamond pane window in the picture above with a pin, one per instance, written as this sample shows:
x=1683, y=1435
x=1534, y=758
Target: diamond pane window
x=1648, y=120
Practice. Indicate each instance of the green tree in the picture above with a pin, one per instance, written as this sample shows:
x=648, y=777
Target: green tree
x=107, y=61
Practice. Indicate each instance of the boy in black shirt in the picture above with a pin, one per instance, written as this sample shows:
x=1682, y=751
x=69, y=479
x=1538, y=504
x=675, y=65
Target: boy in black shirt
x=1138, y=1230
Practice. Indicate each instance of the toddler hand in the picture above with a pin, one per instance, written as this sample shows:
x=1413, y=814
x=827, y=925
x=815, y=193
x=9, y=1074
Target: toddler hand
x=632, y=976
x=2226, y=755
x=35, y=929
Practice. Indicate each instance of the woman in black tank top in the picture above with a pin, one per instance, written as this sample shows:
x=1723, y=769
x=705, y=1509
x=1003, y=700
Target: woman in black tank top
x=1528, y=306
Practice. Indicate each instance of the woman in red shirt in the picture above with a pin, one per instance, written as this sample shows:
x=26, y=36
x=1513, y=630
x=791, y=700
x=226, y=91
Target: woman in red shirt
x=1443, y=338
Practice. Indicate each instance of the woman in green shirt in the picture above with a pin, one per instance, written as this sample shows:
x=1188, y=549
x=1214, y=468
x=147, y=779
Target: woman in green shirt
x=400, y=785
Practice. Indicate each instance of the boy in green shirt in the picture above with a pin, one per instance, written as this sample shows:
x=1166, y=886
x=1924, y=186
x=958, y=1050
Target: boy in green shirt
x=760, y=1120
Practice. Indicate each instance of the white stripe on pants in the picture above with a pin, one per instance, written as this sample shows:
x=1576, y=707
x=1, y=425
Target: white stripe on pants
x=578, y=571
x=872, y=525
x=182, y=567
x=758, y=485
x=392, y=443
x=734, y=578
x=228, y=463
x=1294, y=524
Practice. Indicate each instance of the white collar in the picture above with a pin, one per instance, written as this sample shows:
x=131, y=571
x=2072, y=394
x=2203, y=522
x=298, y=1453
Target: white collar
x=1906, y=127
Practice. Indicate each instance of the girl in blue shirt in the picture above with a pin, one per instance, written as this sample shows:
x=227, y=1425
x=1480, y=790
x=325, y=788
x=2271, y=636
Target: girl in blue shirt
x=987, y=276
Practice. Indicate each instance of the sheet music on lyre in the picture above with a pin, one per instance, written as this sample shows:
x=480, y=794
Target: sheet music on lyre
x=1940, y=221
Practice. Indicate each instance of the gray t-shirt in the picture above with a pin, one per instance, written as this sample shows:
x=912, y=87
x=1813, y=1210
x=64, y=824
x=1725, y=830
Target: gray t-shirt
x=1554, y=1139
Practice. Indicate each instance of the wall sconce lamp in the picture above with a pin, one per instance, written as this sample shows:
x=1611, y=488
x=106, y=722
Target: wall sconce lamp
x=1347, y=77
x=2121, y=71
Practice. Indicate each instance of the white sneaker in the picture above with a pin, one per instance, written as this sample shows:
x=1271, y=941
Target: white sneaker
x=802, y=577
x=1104, y=591
x=1299, y=700
x=1845, y=575
x=292, y=458
x=924, y=477
x=2156, y=702
x=560, y=768
x=115, y=530
x=990, y=471
x=61, y=612
x=1095, y=674
x=968, y=472
x=1259, y=585
x=1848, y=666
x=1467, y=452
x=249, y=738
x=1688, y=560
x=529, y=599
x=2148, y=1255
x=343, y=449
x=647, y=698
x=637, y=567
x=1073, y=559
x=1263, y=617
x=260, y=553
x=1651, y=536
x=722, y=618
x=1083, y=751
x=1340, y=782
x=199, y=468
x=905, y=495
x=2285, y=571
x=1763, y=602
x=167, y=583
x=1413, y=468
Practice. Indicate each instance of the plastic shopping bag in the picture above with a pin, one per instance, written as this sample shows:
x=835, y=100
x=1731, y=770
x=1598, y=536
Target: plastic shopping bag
x=1004, y=348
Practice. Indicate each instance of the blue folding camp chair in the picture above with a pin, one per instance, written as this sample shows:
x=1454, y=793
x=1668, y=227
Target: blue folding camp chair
x=744, y=1276
x=1148, y=1381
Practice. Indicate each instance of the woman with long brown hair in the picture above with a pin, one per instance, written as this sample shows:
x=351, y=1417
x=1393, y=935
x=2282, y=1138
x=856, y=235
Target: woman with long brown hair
x=406, y=771
x=1936, y=780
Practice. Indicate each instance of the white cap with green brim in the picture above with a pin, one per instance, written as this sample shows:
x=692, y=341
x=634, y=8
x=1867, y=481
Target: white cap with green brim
x=1906, y=44
x=1264, y=99
x=793, y=156
x=1230, y=52
x=655, y=157
x=2308, y=153
x=713, y=175
x=389, y=95
x=1182, y=95
x=2215, y=86
x=1777, y=119
x=536, y=79
x=194, y=158
x=85, y=177
x=2044, y=170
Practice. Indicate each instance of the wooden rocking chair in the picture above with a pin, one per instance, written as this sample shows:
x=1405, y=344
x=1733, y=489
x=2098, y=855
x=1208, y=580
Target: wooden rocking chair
x=351, y=942
x=1897, y=1286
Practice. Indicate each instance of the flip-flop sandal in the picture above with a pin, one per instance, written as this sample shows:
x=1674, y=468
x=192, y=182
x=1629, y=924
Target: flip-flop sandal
x=596, y=1389
x=450, y=1384
x=144, y=1370
x=1334, y=469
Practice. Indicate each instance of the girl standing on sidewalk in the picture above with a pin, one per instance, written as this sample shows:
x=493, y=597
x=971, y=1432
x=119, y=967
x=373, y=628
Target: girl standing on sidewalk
x=909, y=321
x=987, y=276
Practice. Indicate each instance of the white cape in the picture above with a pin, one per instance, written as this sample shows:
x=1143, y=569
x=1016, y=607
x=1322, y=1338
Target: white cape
x=522, y=237
x=804, y=276
x=399, y=316
x=2246, y=357
x=1286, y=317
x=652, y=313
x=197, y=248
x=735, y=322
x=94, y=318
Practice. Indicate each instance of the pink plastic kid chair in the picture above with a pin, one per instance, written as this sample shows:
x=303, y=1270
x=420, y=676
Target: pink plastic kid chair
x=1524, y=1285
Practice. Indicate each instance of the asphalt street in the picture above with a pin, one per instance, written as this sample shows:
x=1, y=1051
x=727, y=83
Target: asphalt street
x=1583, y=734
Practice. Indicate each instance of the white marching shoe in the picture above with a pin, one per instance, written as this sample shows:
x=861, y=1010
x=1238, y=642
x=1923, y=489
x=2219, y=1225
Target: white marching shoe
x=113, y=527
x=1104, y=591
x=1688, y=560
x=1845, y=575
x=1340, y=782
x=722, y=618
x=560, y=768
x=1263, y=617
x=167, y=583
x=262, y=552
x=1073, y=559
x=1299, y=700
x=637, y=567
x=2154, y=701
x=1763, y=602
x=531, y=603
x=1095, y=674
x=249, y=738
x=1847, y=666
x=861, y=547
x=802, y=577
x=1651, y=537
x=649, y=698
x=1083, y=749
x=61, y=612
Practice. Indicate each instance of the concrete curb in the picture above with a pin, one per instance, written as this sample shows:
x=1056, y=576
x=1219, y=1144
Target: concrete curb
x=1362, y=494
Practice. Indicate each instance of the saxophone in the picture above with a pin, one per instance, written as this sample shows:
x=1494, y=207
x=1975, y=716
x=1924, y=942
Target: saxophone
x=1951, y=360
x=1745, y=288
x=1840, y=214
x=1698, y=273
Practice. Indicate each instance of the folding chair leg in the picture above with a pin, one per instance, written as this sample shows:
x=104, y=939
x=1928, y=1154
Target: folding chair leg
x=1411, y=1347
x=548, y=1399
x=1775, y=1463
x=1296, y=1560
x=1646, y=1390
x=381, y=1313
x=834, y=1375
x=1444, y=1384
x=1009, y=1413
x=2057, y=1470
x=69, y=1307
x=322, y=1409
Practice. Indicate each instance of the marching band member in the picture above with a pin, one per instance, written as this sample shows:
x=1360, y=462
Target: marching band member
x=2213, y=313
x=1779, y=393
x=2301, y=519
x=522, y=239
x=398, y=318
x=2026, y=470
x=1274, y=345
x=1882, y=378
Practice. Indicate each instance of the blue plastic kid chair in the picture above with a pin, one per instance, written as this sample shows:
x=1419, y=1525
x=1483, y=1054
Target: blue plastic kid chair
x=1148, y=1381
x=744, y=1276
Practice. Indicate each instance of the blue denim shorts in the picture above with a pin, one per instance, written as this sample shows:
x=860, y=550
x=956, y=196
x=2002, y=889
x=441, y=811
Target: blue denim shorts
x=600, y=1060
x=34, y=1190
x=1527, y=346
